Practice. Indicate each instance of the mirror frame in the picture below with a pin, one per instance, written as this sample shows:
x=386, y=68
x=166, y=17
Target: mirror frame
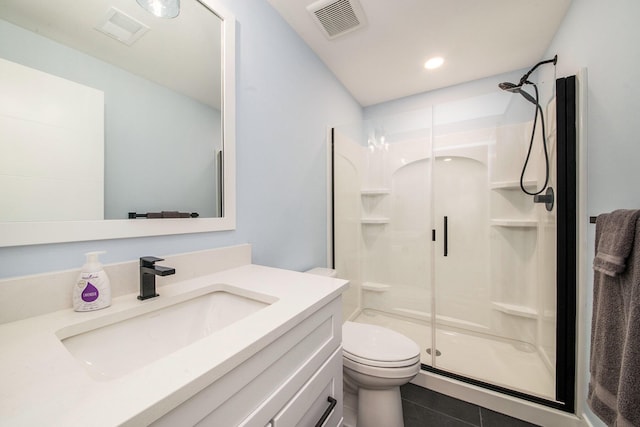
x=33, y=233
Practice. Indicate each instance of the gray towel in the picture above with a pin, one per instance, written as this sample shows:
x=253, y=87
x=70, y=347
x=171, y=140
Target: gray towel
x=616, y=240
x=614, y=387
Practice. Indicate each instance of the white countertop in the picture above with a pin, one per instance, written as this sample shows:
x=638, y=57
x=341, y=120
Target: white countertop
x=43, y=384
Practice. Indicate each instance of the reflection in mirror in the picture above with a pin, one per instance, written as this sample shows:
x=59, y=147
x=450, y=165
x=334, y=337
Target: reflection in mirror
x=162, y=119
x=104, y=85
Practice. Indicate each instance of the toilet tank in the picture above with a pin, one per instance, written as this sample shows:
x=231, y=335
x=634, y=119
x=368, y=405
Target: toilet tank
x=321, y=271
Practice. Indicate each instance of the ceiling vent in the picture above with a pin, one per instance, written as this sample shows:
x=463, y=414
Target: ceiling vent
x=121, y=27
x=337, y=17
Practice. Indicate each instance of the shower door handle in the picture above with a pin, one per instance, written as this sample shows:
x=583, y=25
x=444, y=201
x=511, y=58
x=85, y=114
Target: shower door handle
x=446, y=236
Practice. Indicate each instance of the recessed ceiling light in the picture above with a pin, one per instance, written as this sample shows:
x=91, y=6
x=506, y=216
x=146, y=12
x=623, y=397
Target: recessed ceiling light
x=434, y=62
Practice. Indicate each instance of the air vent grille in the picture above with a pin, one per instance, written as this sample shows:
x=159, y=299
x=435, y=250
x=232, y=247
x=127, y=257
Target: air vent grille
x=121, y=27
x=338, y=17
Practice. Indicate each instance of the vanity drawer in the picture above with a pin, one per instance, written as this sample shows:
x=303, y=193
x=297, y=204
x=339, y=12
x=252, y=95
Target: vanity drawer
x=320, y=399
x=257, y=389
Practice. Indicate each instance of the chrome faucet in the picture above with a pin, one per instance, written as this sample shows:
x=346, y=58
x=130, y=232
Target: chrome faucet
x=148, y=273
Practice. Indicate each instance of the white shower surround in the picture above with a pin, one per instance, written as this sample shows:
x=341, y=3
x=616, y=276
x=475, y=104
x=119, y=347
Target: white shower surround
x=384, y=217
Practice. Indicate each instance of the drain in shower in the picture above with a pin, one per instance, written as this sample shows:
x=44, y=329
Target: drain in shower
x=438, y=353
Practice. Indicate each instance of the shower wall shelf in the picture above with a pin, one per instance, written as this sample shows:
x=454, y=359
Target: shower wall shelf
x=374, y=221
x=375, y=191
x=374, y=287
x=374, y=207
x=512, y=185
x=515, y=223
x=515, y=309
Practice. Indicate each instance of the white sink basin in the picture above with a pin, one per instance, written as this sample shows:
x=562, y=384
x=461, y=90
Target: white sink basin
x=111, y=351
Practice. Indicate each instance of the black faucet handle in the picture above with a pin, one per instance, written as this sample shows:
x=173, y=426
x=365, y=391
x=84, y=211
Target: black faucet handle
x=149, y=261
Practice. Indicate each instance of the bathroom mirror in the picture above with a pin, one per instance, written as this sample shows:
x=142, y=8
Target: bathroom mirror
x=133, y=49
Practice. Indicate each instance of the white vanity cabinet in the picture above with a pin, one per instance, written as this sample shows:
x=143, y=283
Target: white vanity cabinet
x=294, y=381
x=316, y=404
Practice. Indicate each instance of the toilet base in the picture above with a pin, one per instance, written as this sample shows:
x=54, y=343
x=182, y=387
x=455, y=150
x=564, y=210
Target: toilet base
x=379, y=408
x=350, y=409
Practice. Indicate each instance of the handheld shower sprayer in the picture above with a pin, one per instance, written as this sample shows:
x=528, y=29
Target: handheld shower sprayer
x=509, y=87
x=518, y=88
x=513, y=88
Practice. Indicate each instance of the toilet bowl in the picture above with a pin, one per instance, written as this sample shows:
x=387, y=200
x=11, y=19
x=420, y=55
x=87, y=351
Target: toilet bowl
x=376, y=362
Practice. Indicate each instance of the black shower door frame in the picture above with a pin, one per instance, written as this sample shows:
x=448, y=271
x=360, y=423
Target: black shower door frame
x=566, y=258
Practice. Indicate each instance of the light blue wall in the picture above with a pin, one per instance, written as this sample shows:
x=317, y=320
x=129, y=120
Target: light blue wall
x=286, y=99
x=603, y=37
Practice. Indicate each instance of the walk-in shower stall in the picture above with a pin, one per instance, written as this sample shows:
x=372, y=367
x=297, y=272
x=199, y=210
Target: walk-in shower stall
x=440, y=243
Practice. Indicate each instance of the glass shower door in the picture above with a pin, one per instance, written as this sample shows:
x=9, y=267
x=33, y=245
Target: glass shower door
x=488, y=292
x=461, y=252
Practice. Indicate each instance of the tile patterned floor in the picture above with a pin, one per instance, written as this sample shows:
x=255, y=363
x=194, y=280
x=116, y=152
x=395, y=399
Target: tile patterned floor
x=422, y=407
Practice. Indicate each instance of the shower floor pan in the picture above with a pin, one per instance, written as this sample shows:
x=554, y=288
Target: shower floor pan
x=498, y=361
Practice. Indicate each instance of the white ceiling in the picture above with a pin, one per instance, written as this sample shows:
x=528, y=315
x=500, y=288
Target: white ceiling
x=165, y=54
x=477, y=38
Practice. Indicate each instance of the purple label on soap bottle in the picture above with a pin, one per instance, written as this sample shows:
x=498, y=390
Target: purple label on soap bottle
x=90, y=293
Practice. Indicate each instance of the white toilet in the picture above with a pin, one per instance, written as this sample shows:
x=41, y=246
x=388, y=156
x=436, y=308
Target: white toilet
x=376, y=362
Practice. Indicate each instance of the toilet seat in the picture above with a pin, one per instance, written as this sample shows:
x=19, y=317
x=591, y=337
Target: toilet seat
x=380, y=363
x=402, y=372
x=377, y=346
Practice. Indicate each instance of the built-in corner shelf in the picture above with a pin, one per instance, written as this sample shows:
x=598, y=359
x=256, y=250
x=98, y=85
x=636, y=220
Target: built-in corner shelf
x=374, y=191
x=512, y=185
x=374, y=221
x=374, y=287
x=515, y=310
x=514, y=223
x=371, y=205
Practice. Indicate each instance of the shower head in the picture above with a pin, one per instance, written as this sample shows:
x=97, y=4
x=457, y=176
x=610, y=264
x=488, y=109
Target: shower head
x=510, y=87
x=514, y=88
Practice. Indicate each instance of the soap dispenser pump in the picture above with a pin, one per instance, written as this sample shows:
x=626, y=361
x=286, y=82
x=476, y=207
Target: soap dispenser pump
x=93, y=290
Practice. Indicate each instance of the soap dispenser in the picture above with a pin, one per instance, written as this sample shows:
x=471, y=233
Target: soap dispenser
x=93, y=290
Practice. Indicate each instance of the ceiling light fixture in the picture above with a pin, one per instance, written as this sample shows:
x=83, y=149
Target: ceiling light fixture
x=434, y=63
x=161, y=8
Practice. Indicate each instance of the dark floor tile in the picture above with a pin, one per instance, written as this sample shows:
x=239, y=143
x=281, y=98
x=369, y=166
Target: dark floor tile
x=496, y=419
x=438, y=402
x=419, y=416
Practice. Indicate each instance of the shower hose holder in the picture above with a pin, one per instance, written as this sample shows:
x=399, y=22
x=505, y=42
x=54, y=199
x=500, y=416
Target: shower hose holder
x=547, y=198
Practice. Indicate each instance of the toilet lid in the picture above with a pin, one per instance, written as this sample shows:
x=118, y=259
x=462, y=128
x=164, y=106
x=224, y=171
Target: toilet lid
x=376, y=343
